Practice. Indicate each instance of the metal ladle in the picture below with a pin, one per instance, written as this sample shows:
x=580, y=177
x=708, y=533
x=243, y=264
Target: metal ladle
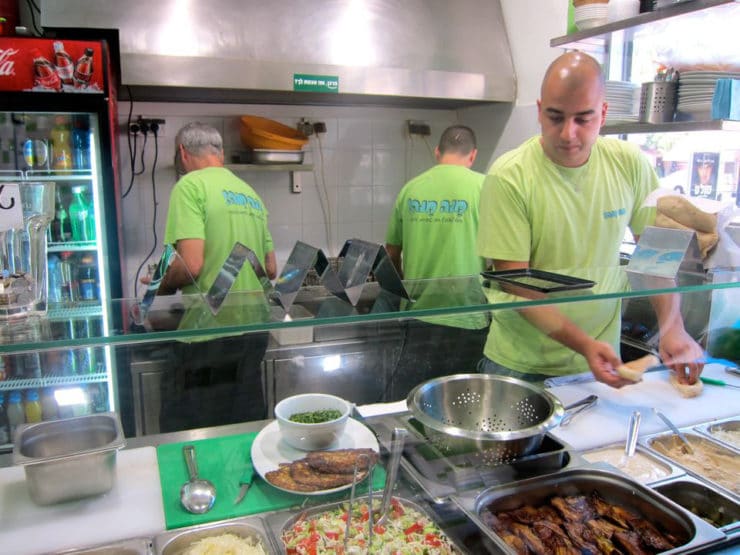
x=196, y=495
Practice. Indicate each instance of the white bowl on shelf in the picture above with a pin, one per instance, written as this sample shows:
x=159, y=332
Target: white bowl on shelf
x=591, y=15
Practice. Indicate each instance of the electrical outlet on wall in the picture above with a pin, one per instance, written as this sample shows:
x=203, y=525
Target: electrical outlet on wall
x=296, y=182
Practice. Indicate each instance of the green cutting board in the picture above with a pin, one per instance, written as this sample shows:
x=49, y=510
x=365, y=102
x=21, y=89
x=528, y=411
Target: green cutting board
x=223, y=460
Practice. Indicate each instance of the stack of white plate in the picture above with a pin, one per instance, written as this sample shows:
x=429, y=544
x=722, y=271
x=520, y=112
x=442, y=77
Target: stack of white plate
x=695, y=92
x=591, y=15
x=624, y=101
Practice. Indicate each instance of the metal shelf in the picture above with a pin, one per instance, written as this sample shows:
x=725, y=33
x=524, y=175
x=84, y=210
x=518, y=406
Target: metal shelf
x=638, y=23
x=59, y=312
x=270, y=167
x=671, y=127
x=52, y=381
x=72, y=246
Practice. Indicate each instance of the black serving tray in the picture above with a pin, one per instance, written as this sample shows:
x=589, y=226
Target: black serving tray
x=539, y=280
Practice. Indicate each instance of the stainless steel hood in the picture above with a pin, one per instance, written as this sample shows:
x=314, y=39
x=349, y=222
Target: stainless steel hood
x=422, y=51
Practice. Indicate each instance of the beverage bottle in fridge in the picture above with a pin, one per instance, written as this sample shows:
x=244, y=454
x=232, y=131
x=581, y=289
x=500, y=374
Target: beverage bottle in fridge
x=61, y=231
x=81, y=143
x=54, y=279
x=81, y=216
x=7, y=142
x=87, y=278
x=44, y=73
x=16, y=414
x=49, y=406
x=4, y=427
x=69, y=278
x=32, y=365
x=61, y=144
x=64, y=63
x=84, y=69
x=32, y=406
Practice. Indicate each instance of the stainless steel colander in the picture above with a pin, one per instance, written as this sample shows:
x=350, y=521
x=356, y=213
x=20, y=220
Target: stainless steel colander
x=500, y=417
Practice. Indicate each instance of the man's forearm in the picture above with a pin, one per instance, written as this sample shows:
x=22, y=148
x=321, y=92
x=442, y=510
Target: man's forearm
x=176, y=277
x=668, y=311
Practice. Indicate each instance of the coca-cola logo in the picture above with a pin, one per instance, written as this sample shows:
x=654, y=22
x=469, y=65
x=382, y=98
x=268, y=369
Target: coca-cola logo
x=7, y=64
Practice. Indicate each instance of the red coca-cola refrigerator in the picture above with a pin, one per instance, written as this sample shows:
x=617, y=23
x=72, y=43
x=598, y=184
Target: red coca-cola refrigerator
x=57, y=126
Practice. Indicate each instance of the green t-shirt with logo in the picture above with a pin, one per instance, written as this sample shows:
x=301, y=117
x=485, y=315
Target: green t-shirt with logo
x=568, y=220
x=215, y=205
x=435, y=222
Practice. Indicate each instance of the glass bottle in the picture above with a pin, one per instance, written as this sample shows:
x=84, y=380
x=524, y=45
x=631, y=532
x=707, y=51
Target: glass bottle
x=55, y=279
x=61, y=144
x=60, y=226
x=69, y=278
x=81, y=216
x=16, y=414
x=32, y=406
x=49, y=407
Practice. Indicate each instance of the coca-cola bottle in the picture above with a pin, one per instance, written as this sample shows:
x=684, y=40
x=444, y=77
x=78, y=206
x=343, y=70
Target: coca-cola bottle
x=44, y=73
x=64, y=63
x=84, y=69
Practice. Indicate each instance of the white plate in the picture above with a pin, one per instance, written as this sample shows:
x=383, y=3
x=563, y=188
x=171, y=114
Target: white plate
x=269, y=450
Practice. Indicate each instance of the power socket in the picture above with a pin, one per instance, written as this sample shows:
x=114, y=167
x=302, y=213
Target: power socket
x=319, y=127
x=304, y=126
x=419, y=128
x=296, y=182
x=149, y=125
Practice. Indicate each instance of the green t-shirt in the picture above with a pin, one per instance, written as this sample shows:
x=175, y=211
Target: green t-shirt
x=435, y=222
x=215, y=205
x=569, y=220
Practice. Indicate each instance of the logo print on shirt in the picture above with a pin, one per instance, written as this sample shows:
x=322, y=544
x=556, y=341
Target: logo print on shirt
x=615, y=213
x=430, y=207
x=240, y=199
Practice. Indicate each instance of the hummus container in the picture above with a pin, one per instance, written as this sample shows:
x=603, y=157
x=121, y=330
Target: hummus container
x=727, y=432
x=688, y=530
x=69, y=459
x=710, y=460
x=714, y=507
x=643, y=466
x=177, y=541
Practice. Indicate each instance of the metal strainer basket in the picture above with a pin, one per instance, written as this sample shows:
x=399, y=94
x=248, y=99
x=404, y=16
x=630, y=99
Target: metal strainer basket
x=500, y=417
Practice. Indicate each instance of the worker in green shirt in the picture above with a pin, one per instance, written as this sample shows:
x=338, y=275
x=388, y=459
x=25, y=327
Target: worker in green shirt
x=431, y=236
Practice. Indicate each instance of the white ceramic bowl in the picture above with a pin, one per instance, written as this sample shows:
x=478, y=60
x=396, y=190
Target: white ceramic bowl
x=311, y=437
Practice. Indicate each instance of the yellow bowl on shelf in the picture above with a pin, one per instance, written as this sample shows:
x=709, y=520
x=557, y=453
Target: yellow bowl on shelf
x=263, y=133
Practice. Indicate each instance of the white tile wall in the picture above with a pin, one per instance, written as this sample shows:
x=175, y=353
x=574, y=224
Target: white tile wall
x=361, y=162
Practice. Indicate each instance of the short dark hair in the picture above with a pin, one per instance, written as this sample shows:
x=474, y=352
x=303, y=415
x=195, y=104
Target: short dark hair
x=459, y=139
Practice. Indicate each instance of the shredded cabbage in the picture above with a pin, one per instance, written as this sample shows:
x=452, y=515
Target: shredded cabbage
x=406, y=531
x=225, y=544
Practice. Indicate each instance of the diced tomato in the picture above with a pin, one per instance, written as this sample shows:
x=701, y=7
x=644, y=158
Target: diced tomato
x=345, y=516
x=433, y=540
x=379, y=529
x=415, y=528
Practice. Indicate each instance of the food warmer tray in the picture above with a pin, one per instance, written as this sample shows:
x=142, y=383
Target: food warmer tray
x=703, y=500
x=728, y=424
x=175, y=541
x=280, y=521
x=648, y=440
x=674, y=471
x=613, y=487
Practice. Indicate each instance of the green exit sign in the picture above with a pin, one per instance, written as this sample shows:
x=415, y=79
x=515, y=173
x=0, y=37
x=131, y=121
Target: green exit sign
x=315, y=83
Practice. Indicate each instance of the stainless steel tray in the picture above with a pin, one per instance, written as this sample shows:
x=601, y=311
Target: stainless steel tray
x=280, y=521
x=672, y=471
x=175, y=541
x=704, y=501
x=726, y=425
x=134, y=546
x=652, y=443
x=613, y=487
x=264, y=156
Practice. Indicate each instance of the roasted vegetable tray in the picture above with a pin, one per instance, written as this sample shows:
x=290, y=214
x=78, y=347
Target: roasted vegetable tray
x=688, y=530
